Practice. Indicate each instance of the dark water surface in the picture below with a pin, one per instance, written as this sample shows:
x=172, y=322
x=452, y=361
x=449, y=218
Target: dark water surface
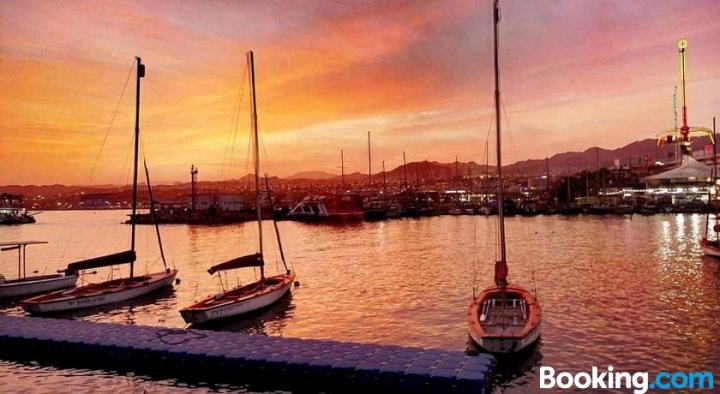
x=634, y=292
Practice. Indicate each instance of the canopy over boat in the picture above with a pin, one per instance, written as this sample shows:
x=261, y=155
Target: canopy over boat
x=8, y=245
x=125, y=257
x=251, y=260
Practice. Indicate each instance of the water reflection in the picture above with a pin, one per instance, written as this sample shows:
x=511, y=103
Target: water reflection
x=514, y=369
x=633, y=292
x=269, y=321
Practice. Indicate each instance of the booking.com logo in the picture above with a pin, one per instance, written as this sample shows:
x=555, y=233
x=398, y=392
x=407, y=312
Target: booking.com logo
x=639, y=381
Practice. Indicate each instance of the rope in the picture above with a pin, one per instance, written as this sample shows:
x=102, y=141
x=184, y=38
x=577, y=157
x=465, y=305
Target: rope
x=169, y=333
x=112, y=120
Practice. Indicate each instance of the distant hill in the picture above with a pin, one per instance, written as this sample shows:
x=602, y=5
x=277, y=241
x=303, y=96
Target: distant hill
x=589, y=159
x=311, y=175
x=432, y=170
x=594, y=157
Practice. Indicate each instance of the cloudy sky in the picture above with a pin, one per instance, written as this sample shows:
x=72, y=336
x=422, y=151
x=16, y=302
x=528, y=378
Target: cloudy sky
x=417, y=74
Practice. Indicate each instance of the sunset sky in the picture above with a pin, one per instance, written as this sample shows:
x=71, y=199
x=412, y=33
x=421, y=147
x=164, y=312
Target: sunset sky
x=417, y=74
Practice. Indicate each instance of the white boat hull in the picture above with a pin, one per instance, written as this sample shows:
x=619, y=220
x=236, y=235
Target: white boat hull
x=504, y=319
x=78, y=298
x=29, y=286
x=235, y=308
x=507, y=345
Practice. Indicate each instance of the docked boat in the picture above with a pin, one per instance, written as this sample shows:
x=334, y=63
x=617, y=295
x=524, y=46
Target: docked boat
x=27, y=285
x=341, y=206
x=374, y=208
x=261, y=293
x=115, y=290
x=12, y=210
x=504, y=318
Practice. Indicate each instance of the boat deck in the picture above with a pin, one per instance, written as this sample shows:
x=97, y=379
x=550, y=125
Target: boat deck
x=235, y=358
x=504, y=316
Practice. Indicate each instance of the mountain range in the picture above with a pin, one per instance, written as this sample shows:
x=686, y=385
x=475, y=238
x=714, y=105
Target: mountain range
x=637, y=152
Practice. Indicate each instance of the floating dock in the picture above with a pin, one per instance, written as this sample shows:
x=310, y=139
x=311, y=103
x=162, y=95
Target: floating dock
x=253, y=360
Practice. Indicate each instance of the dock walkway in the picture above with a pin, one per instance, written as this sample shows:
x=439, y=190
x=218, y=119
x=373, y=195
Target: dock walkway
x=222, y=357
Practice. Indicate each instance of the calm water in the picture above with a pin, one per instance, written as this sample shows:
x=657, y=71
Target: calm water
x=632, y=292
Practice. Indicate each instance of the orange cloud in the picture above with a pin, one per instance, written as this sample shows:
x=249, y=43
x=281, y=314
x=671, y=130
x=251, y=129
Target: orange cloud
x=417, y=74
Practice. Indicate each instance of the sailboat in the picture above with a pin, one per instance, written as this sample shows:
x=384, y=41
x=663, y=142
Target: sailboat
x=711, y=247
x=503, y=318
x=115, y=290
x=258, y=294
x=27, y=285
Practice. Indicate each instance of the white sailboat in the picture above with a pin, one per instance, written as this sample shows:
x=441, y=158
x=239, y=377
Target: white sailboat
x=27, y=285
x=258, y=294
x=503, y=318
x=116, y=290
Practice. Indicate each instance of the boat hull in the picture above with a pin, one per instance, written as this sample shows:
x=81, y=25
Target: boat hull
x=224, y=306
x=507, y=345
x=36, y=285
x=503, y=341
x=710, y=248
x=98, y=294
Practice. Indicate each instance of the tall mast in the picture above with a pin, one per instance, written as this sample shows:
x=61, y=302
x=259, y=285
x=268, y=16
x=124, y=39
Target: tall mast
x=342, y=169
x=140, y=74
x=256, y=143
x=384, y=185
x=487, y=161
x=501, y=210
x=193, y=182
x=369, y=162
x=547, y=173
x=405, y=170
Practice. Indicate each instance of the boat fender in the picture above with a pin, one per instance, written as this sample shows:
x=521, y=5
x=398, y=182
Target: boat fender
x=177, y=281
x=297, y=283
x=2, y=278
x=218, y=296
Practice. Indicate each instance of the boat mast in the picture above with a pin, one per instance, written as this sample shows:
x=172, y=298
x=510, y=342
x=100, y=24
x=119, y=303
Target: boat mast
x=384, y=184
x=501, y=265
x=369, y=162
x=277, y=230
x=405, y=170
x=256, y=152
x=193, y=182
x=140, y=74
x=154, y=214
x=342, y=169
x=547, y=173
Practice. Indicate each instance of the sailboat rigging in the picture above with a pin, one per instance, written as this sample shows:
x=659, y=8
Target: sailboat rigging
x=503, y=318
x=263, y=292
x=114, y=290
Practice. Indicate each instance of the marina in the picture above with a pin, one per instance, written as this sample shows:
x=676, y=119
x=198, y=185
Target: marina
x=583, y=255
x=412, y=279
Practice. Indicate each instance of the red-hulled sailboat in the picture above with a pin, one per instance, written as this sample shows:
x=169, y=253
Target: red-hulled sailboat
x=504, y=318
